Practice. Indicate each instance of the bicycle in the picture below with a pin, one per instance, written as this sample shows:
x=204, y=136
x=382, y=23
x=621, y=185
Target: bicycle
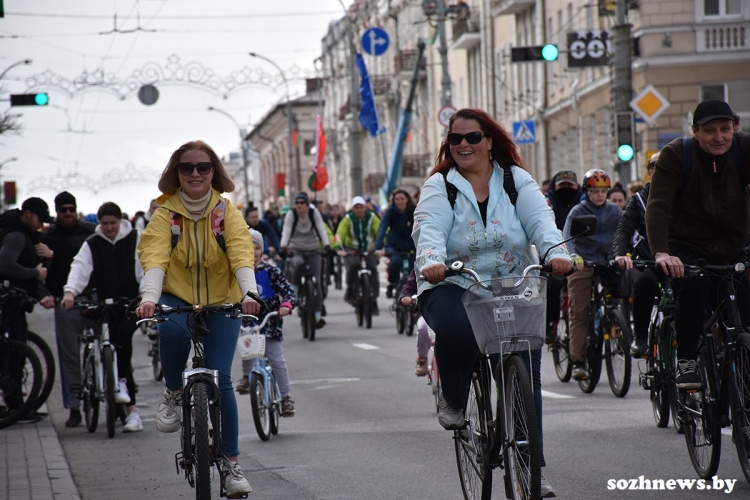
x=608, y=331
x=433, y=375
x=307, y=297
x=153, y=352
x=99, y=378
x=200, y=445
x=338, y=267
x=560, y=347
x=265, y=396
x=724, y=366
x=362, y=290
x=404, y=314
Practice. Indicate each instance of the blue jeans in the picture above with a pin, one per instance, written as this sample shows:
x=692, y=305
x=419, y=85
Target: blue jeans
x=219, y=345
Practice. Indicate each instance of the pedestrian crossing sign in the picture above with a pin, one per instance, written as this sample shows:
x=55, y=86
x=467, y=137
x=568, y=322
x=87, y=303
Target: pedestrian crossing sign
x=524, y=132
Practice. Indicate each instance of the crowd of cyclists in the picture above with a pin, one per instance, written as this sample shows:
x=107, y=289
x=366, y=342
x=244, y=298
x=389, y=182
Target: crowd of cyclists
x=192, y=246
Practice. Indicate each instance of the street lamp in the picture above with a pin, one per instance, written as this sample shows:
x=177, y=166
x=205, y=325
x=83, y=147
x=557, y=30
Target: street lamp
x=1, y=166
x=24, y=61
x=289, y=124
x=244, y=152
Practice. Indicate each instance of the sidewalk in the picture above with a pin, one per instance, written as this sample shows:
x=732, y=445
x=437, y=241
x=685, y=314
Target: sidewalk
x=34, y=466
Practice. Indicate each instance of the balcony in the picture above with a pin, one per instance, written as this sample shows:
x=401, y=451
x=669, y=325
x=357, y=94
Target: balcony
x=405, y=60
x=466, y=31
x=722, y=37
x=415, y=165
x=381, y=84
x=507, y=7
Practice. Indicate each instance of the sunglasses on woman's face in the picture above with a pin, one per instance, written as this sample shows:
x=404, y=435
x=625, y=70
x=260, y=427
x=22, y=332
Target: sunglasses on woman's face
x=204, y=168
x=471, y=138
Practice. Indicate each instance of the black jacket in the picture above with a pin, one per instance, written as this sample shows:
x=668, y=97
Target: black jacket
x=633, y=220
x=562, y=206
x=18, y=259
x=65, y=243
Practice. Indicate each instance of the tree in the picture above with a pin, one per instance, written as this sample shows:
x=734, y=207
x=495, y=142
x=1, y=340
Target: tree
x=9, y=121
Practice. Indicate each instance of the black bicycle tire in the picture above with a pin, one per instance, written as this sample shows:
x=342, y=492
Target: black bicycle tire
x=670, y=346
x=275, y=410
x=90, y=401
x=15, y=350
x=110, y=405
x=593, y=364
x=659, y=389
x=156, y=367
x=435, y=380
x=741, y=403
x=310, y=318
x=708, y=422
x=461, y=444
x=324, y=277
x=519, y=392
x=563, y=365
x=47, y=360
x=410, y=323
x=201, y=455
x=366, y=299
x=623, y=344
x=399, y=319
x=337, y=275
x=261, y=413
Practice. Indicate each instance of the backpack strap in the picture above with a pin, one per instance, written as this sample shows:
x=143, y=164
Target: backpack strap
x=216, y=218
x=508, y=184
x=311, y=216
x=451, y=189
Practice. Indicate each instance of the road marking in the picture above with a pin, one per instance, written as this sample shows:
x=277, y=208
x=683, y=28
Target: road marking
x=322, y=381
x=555, y=395
x=366, y=347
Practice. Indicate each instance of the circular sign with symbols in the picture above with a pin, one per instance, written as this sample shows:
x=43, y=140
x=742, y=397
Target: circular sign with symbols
x=444, y=115
x=148, y=95
x=375, y=41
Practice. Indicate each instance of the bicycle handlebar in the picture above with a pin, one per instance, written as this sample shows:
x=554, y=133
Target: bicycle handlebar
x=262, y=323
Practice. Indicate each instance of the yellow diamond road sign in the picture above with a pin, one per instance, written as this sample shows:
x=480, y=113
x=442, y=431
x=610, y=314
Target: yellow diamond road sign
x=649, y=104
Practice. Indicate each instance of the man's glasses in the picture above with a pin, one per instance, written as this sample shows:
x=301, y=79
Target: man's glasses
x=300, y=203
x=204, y=168
x=471, y=138
x=66, y=210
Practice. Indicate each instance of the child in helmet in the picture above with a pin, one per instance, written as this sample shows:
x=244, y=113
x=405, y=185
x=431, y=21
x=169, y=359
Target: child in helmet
x=596, y=247
x=279, y=296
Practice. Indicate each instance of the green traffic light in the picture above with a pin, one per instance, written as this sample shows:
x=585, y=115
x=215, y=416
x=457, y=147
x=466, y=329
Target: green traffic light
x=550, y=52
x=41, y=99
x=625, y=152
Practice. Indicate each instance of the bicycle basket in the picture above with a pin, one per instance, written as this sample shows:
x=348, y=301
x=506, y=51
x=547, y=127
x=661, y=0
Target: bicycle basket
x=507, y=317
x=251, y=345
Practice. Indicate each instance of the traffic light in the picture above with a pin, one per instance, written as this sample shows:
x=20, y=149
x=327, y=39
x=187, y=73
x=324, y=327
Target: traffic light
x=532, y=53
x=625, y=135
x=41, y=99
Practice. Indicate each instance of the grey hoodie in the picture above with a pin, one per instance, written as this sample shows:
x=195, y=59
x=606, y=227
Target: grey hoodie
x=596, y=247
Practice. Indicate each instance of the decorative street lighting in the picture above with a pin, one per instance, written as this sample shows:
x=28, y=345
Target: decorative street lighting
x=24, y=61
x=245, y=162
x=289, y=124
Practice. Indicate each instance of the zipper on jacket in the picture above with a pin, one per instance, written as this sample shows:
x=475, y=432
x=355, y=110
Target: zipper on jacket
x=197, y=259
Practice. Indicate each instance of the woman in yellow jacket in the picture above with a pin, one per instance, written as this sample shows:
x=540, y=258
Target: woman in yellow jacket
x=185, y=263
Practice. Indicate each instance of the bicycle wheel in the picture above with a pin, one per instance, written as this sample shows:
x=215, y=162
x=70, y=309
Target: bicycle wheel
x=88, y=392
x=311, y=306
x=617, y=353
x=275, y=409
x=435, y=381
x=472, y=446
x=366, y=296
x=410, y=323
x=156, y=363
x=20, y=381
x=702, y=429
x=560, y=349
x=741, y=403
x=399, y=319
x=201, y=452
x=261, y=411
x=593, y=364
x=47, y=359
x=656, y=364
x=304, y=303
x=324, y=276
x=337, y=266
x=109, y=389
x=523, y=456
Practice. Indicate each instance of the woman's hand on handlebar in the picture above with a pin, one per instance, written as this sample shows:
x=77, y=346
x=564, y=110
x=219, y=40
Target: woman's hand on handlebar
x=434, y=273
x=249, y=306
x=560, y=267
x=145, y=310
x=624, y=262
x=67, y=301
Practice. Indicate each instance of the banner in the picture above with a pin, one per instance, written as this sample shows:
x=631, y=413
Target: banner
x=368, y=114
x=320, y=143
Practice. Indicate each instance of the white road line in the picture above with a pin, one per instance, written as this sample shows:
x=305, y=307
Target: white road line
x=366, y=347
x=555, y=395
x=322, y=381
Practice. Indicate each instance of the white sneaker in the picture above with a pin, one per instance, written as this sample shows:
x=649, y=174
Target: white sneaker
x=133, y=422
x=168, y=418
x=121, y=396
x=234, y=481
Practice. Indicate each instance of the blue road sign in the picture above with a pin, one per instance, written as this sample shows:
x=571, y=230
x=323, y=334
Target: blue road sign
x=375, y=41
x=524, y=132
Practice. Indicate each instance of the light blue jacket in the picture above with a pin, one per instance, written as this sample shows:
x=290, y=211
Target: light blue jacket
x=443, y=235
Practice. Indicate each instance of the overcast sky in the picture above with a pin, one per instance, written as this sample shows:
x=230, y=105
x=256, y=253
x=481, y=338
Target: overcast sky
x=95, y=133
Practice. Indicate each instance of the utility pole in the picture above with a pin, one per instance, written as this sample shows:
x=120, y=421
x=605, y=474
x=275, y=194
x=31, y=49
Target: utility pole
x=355, y=129
x=445, y=81
x=622, y=77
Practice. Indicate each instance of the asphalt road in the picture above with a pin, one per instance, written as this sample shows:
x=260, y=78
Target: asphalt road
x=366, y=428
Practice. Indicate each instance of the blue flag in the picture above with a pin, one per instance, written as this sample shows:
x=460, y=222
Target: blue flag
x=368, y=115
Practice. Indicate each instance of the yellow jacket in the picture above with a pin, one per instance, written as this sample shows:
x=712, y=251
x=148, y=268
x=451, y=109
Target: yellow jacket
x=197, y=270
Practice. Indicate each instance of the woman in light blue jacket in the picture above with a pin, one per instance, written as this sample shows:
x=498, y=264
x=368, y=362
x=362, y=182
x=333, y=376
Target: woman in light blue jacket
x=486, y=231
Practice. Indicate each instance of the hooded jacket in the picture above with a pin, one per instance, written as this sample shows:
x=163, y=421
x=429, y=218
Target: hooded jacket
x=595, y=247
x=197, y=270
x=18, y=259
x=65, y=243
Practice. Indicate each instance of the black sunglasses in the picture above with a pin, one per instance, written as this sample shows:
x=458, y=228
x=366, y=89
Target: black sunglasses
x=300, y=203
x=471, y=138
x=204, y=168
x=66, y=210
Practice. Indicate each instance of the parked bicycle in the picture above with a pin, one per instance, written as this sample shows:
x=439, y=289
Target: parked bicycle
x=200, y=444
x=265, y=396
x=404, y=314
x=724, y=366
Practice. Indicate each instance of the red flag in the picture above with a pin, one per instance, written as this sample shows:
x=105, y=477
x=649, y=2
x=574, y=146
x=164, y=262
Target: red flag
x=295, y=137
x=320, y=144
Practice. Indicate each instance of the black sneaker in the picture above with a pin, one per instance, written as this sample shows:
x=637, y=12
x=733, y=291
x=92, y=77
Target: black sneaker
x=687, y=375
x=287, y=407
x=639, y=348
x=320, y=323
x=579, y=371
x=75, y=419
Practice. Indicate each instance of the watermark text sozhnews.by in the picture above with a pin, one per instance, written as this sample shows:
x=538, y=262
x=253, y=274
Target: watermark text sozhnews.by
x=641, y=483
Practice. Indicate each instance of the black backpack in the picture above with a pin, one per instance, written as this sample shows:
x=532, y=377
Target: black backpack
x=508, y=184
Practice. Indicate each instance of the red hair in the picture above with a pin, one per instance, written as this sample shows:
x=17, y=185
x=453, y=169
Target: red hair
x=503, y=148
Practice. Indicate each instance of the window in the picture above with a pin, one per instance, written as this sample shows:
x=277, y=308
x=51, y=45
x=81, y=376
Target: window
x=712, y=92
x=737, y=94
x=309, y=147
x=721, y=7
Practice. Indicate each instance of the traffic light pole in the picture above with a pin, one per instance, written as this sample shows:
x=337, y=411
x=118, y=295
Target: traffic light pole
x=622, y=77
x=445, y=80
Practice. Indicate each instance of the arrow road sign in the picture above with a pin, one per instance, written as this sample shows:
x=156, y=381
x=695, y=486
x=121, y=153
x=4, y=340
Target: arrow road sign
x=375, y=41
x=524, y=132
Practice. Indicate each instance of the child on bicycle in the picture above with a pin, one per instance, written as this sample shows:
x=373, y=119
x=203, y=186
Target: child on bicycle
x=279, y=296
x=423, y=336
x=596, y=247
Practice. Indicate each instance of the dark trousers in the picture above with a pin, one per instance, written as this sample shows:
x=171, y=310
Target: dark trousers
x=396, y=265
x=456, y=349
x=121, y=330
x=644, y=287
x=692, y=296
x=353, y=265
